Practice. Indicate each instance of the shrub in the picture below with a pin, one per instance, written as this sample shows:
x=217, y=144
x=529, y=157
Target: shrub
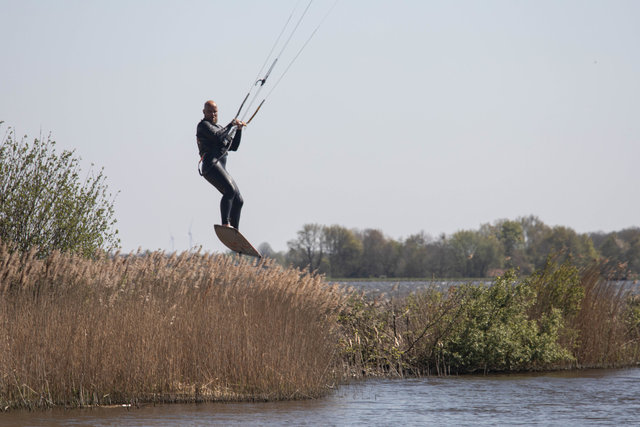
x=45, y=204
x=496, y=334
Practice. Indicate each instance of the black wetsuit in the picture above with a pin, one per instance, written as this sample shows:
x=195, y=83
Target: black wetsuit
x=212, y=143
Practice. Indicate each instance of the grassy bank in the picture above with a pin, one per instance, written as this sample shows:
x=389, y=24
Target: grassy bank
x=193, y=327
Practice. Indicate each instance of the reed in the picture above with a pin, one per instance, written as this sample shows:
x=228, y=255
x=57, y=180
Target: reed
x=152, y=327
x=607, y=324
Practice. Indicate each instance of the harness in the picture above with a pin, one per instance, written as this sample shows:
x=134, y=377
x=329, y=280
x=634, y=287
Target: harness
x=228, y=141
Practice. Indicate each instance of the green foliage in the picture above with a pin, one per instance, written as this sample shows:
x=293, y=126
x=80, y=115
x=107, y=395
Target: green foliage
x=621, y=249
x=413, y=256
x=578, y=248
x=45, y=204
x=560, y=316
x=344, y=251
x=514, y=324
x=475, y=253
x=512, y=236
x=557, y=287
x=379, y=254
x=496, y=334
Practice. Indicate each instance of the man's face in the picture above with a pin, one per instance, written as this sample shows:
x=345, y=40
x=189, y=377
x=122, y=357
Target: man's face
x=211, y=112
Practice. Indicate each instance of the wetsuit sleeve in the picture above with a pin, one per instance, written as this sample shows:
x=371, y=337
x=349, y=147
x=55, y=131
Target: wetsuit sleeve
x=211, y=138
x=236, y=140
x=207, y=131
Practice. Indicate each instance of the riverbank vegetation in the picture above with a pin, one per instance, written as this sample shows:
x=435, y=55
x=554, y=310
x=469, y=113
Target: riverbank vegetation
x=191, y=327
x=523, y=243
x=150, y=327
x=560, y=317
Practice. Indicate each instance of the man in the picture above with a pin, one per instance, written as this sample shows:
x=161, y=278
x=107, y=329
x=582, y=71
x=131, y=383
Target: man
x=214, y=141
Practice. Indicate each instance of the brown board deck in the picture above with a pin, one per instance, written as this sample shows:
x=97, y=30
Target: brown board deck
x=235, y=241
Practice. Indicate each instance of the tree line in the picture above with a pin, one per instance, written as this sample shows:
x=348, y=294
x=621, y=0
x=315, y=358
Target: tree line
x=524, y=243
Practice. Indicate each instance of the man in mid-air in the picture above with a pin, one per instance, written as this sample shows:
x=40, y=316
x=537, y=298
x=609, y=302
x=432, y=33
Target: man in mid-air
x=214, y=141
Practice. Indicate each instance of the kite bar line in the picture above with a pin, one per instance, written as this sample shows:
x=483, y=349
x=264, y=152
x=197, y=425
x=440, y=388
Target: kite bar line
x=290, y=63
x=301, y=49
x=255, y=112
x=242, y=105
x=263, y=80
x=286, y=24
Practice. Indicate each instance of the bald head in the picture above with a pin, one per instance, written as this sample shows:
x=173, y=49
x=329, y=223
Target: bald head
x=210, y=112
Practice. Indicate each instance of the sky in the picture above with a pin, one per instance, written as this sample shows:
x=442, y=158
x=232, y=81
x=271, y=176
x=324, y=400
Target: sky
x=403, y=116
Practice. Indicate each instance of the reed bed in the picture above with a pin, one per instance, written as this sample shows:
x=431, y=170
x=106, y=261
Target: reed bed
x=152, y=327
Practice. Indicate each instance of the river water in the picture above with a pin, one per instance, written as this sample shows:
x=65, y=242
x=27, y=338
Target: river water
x=402, y=288
x=593, y=397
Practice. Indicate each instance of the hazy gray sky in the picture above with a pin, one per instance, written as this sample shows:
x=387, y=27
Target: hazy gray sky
x=404, y=116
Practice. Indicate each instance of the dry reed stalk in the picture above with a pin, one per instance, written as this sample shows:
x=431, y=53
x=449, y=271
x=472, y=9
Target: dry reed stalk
x=146, y=327
x=601, y=325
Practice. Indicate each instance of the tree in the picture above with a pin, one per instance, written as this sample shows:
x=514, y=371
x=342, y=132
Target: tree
x=511, y=236
x=475, y=252
x=440, y=256
x=307, y=250
x=621, y=249
x=569, y=245
x=535, y=231
x=613, y=248
x=44, y=202
x=343, y=250
x=379, y=254
x=413, y=258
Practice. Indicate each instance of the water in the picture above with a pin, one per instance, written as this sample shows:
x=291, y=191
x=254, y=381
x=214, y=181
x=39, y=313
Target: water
x=594, y=397
x=402, y=288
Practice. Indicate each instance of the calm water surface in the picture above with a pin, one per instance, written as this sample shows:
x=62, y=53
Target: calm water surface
x=598, y=397
x=402, y=288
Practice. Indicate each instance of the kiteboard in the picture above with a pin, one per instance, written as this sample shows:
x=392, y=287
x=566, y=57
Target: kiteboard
x=235, y=241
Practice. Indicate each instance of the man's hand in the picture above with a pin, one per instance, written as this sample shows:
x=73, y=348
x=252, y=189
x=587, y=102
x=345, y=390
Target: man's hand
x=240, y=124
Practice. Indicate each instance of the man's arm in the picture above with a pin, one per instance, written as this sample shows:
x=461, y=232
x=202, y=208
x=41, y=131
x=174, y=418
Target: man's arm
x=238, y=135
x=236, y=140
x=210, y=133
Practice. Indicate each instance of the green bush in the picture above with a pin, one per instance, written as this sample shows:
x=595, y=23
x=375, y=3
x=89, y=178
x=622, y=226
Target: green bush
x=45, y=204
x=556, y=286
x=495, y=332
x=559, y=293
